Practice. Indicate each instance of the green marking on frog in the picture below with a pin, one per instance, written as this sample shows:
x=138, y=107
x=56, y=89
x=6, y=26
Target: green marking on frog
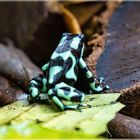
x=62, y=41
x=61, y=74
x=64, y=55
x=34, y=91
x=89, y=74
x=44, y=88
x=53, y=71
x=70, y=73
x=75, y=43
x=44, y=68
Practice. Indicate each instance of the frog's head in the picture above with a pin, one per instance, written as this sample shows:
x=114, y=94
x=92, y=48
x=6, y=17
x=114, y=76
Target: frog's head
x=76, y=42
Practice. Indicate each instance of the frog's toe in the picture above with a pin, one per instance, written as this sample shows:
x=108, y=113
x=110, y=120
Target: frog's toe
x=33, y=99
x=84, y=105
x=107, y=87
x=74, y=107
x=77, y=107
x=30, y=99
x=101, y=79
x=101, y=86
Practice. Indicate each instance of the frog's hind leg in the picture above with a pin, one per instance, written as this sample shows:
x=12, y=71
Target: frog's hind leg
x=96, y=87
x=66, y=92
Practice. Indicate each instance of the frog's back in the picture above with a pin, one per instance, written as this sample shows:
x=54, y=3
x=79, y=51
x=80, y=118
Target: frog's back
x=63, y=63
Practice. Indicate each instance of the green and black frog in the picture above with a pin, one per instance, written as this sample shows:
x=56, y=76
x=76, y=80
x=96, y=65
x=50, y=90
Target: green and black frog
x=60, y=74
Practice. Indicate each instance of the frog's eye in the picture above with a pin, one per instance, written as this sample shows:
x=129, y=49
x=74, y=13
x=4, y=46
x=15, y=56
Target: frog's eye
x=81, y=36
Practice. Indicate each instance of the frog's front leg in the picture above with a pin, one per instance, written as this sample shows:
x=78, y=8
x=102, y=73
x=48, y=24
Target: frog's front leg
x=96, y=87
x=66, y=92
x=35, y=86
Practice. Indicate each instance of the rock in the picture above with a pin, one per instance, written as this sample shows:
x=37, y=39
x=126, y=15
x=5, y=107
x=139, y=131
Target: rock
x=16, y=66
x=124, y=127
x=119, y=64
x=24, y=19
x=9, y=92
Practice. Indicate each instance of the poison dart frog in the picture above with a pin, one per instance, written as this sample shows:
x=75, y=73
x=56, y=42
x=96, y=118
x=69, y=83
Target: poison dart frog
x=60, y=74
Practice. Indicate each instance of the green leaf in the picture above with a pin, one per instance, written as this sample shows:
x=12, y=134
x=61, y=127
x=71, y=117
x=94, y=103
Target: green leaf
x=102, y=99
x=72, y=120
x=29, y=129
x=45, y=120
x=97, y=124
x=11, y=111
